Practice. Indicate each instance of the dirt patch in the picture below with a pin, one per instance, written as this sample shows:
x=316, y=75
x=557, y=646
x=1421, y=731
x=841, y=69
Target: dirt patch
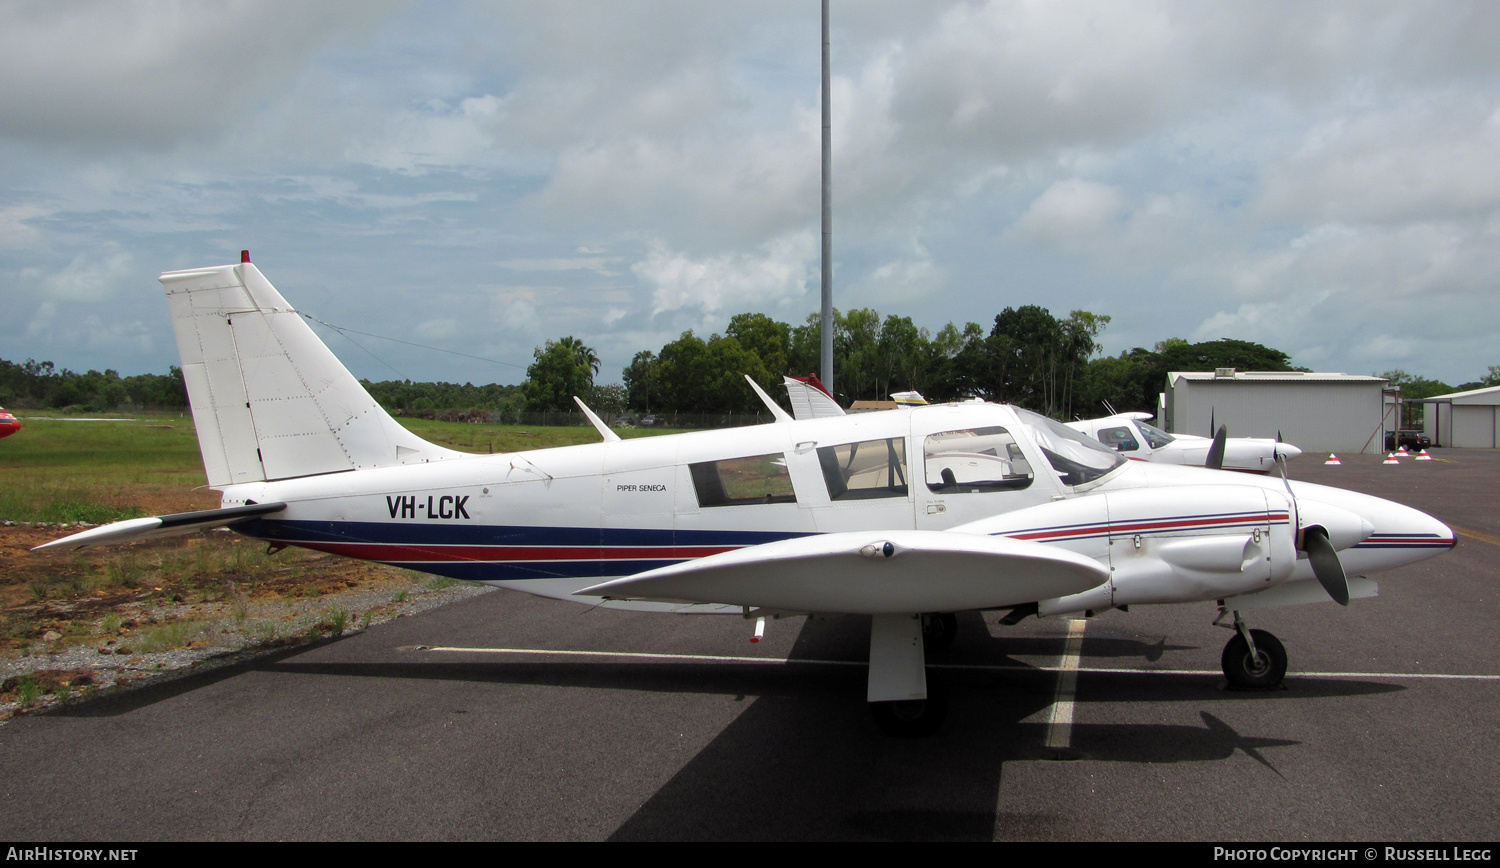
x=73, y=622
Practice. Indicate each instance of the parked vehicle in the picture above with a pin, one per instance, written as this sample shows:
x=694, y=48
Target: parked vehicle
x=1411, y=438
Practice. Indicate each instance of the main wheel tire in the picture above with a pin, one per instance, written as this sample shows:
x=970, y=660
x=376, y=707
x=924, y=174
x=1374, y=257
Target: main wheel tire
x=912, y=718
x=1261, y=671
x=939, y=630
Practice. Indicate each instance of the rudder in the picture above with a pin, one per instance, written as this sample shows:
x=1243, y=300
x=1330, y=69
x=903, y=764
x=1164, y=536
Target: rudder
x=270, y=400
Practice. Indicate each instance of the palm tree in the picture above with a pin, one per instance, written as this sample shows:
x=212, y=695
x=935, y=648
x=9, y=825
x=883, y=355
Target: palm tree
x=585, y=356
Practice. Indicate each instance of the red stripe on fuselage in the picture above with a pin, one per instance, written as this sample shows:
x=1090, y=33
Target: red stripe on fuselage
x=1160, y=524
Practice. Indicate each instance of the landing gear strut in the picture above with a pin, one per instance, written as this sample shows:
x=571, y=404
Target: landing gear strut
x=904, y=703
x=1252, y=659
x=939, y=629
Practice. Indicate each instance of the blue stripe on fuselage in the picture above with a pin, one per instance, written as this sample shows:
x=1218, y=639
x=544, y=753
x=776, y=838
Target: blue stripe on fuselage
x=415, y=534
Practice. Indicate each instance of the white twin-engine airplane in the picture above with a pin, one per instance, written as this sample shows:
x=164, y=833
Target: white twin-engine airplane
x=1131, y=436
x=1126, y=433
x=905, y=517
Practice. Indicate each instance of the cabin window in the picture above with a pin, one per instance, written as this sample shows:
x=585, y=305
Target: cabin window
x=743, y=481
x=1154, y=435
x=1120, y=439
x=974, y=460
x=864, y=470
x=1075, y=458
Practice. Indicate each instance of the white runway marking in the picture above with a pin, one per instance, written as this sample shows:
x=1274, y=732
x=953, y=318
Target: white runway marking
x=1060, y=724
x=981, y=667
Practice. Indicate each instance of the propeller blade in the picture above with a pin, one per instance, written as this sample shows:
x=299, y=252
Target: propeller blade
x=1325, y=564
x=1216, y=451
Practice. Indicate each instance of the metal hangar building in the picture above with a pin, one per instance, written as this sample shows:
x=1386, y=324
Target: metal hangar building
x=1464, y=419
x=1315, y=412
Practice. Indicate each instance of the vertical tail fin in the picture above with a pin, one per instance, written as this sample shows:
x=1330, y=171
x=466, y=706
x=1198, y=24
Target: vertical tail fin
x=270, y=401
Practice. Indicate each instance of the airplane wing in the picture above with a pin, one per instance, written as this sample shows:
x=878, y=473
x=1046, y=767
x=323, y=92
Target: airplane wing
x=154, y=526
x=869, y=572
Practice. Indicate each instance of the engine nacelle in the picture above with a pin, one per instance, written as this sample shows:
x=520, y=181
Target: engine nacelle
x=1174, y=545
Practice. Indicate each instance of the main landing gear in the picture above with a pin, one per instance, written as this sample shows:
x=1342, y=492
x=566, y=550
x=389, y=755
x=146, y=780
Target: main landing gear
x=1252, y=659
x=903, y=700
x=898, y=647
x=939, y=629
x=912, y=718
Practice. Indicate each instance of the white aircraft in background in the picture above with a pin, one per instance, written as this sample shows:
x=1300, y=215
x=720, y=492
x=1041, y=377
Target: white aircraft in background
x=905, y=517
x=1126, y=433
x=1131, y=436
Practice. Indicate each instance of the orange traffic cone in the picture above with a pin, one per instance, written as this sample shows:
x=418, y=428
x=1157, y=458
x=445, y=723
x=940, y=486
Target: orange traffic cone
x=1333, y=459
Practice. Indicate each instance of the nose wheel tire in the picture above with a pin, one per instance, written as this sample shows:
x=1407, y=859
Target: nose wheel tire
x=1259, y=671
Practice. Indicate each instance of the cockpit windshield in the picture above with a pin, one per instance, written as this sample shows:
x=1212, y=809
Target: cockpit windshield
x=1154, y=435
x=1076, y=458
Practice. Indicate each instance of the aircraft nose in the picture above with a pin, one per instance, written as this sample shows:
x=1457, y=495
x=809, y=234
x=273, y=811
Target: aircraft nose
x=1288, y=450
x=1400, y=529
x=1398, y=534
x=1345, y=527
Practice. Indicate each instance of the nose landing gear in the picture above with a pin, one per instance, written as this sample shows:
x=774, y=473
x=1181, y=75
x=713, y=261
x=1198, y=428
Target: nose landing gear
x=1252, y=659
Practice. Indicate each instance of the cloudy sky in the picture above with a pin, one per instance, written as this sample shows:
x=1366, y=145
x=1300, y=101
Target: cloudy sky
x=1320, y=177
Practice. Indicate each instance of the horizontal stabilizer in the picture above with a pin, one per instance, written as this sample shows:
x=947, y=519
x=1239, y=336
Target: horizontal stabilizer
x=133, y=529
x=870, y=572
x=809, y=400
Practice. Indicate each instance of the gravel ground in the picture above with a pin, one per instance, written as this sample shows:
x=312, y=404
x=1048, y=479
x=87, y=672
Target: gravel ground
x=230, y=633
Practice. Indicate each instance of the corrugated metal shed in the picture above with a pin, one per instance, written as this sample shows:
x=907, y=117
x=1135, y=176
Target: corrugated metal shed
x=1317, y=412
x=1465, y=419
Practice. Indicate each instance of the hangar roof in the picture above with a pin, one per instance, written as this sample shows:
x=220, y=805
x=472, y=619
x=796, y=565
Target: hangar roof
x=1231, y=375
x=1487, y=395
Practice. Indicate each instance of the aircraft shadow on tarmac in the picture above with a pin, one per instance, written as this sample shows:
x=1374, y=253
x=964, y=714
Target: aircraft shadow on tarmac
x=819, y=641
x=803, y=761
x=808, y=767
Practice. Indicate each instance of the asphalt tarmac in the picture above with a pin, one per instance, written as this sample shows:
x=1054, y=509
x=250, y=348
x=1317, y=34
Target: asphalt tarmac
x=563, y=723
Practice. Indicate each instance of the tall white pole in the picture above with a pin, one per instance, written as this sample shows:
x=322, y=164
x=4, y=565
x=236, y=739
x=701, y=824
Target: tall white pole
x=827, y=368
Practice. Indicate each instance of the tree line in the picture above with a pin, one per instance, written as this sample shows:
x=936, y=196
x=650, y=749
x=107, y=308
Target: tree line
x=1028, y=357
x=33, y=385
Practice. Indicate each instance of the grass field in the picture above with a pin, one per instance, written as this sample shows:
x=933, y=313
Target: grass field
x=98, y=471
x=205, y=589
x=95, y=471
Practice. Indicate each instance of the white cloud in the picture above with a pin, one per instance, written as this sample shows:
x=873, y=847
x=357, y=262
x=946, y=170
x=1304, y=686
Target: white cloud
x=1069, y=212
x=1263, y=169
x=15, y=230
x=780, y=271
x=514, y=310
x=600, y=264
x=90, y=277
x=1438, y=159
x=101, y=76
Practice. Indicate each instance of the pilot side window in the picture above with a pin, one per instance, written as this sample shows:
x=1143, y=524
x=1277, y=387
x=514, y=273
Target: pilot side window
x=1155, y=436
x=743, y=481
x=1120, y=439
x=974, y=460
x=864, y=470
